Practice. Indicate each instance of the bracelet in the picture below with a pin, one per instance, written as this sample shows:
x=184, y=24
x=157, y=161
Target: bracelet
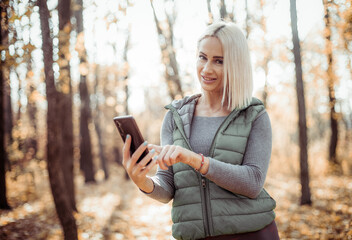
x=201, y=164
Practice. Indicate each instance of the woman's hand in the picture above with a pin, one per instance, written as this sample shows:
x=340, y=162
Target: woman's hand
x=138, y=171
x=170, y=154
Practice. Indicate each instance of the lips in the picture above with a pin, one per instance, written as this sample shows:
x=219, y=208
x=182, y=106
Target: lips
x=208, y=80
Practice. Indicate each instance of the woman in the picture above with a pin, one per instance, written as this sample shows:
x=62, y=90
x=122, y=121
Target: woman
x=215, y=151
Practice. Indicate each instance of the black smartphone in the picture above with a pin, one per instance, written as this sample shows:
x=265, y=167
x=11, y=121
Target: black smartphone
x=127, y=125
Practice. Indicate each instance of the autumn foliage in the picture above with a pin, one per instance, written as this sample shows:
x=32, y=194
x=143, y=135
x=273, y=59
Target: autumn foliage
x=133, y=57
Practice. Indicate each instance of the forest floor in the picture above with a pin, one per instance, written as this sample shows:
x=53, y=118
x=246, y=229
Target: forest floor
x=116, y=209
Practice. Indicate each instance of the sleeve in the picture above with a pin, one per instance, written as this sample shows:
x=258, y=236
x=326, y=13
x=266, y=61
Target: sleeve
x=164, y=188
x=246, y=179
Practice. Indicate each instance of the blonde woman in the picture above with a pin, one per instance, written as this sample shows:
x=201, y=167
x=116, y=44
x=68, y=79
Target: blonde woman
x=215, y=149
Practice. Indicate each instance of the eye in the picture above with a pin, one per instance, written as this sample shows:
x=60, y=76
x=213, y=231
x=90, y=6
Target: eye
x=219, y=61
x=202, y=57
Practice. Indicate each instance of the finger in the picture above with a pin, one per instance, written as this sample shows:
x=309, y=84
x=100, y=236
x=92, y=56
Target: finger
x=162, y=165
x=138, y=153
x=173, y=157
x=149, y=167
x=161, y=157
x=167, y=156
x=143, y=163
x=157, y=148
x=126, y=150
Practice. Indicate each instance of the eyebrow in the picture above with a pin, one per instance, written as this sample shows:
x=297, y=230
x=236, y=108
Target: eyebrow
x=213, y=57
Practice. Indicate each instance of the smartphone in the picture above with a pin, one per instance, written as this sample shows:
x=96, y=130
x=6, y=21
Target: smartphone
x=127, y=125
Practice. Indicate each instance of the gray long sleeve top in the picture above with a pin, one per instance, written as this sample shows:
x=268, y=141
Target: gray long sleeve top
x=246, y=179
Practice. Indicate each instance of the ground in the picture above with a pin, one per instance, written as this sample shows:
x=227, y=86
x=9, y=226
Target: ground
x=116, y=209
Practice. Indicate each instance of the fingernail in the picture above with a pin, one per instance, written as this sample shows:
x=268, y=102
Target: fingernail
x=128, y=136
x=145, y=143
x=155, y=157
x=152, y=151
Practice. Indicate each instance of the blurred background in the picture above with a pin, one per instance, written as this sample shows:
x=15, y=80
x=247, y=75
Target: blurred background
x=69, y=67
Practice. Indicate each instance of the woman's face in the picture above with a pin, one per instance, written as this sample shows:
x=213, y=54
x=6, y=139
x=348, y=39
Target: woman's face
x=210, y=69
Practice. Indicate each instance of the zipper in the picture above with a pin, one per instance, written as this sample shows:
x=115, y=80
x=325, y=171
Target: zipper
x=225, y=122
x=206, y=215
x=204, y=189
x=208, y=220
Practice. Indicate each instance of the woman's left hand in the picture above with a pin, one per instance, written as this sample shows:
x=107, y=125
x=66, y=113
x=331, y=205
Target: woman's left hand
x=170, y=154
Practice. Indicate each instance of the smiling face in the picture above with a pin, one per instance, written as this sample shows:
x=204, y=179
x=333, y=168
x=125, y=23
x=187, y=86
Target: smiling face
x=210, y=69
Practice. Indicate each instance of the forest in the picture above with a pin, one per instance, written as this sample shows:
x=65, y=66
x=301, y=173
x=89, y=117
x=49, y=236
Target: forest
x=69, y=67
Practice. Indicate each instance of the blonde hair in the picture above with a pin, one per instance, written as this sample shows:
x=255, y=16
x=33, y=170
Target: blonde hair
x=238, y=77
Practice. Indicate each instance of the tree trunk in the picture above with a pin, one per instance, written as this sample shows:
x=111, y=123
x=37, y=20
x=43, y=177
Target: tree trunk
x=3, y=154
x=8, y=107
x=223, y=12
x=267, y=56
x=210, y=14
x=86, y=158
x=334, y=163
x=168, y=57
x=65, y=88
x=302, y=125
x=118, y=158
x=97, y=126
x=32, y=112
x=19, y=91
x=101, y=148
x=126, y=72
x=248, y=27
x=5, y=75
x=54, y=153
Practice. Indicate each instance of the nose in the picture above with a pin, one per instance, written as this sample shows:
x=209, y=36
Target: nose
x=208, y=68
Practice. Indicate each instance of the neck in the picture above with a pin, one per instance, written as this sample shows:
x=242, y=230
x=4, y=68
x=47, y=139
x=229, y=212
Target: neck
x=211, y=100
x=209, y=104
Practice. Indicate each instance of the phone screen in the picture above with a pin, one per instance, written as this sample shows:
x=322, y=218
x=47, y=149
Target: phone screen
x=127, y=125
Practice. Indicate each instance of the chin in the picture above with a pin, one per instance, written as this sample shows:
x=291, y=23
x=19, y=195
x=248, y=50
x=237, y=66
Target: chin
x=211, y=89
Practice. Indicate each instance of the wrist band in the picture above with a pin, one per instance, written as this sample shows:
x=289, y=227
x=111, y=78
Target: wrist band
x=201, y=164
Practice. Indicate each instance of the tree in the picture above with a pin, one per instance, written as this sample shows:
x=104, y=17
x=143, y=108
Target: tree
x=86, y=158
x=8, y=108
x=210, y=14
x=3, y=154
x=166, y=41
x=346, y=30
x=334, y=163
x=96, y=119
x=65, y=89
x=248, y=27
x=267, y=55
x=32, y=144
x=126, y=76
x=54, y=153
x=223, y=11
x=346, y=35
x=5, y=29
x=302, y=122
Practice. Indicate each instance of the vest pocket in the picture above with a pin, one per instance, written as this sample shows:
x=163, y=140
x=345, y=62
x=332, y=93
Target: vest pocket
x=243, y=205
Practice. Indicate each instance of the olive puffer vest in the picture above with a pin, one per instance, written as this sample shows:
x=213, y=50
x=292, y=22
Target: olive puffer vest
x=200, y=207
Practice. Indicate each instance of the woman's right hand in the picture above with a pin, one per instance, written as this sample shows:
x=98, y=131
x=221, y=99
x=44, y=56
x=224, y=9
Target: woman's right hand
x=138, y=171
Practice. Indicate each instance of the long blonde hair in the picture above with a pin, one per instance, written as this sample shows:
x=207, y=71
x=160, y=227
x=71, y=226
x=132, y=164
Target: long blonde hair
x=238, y=76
